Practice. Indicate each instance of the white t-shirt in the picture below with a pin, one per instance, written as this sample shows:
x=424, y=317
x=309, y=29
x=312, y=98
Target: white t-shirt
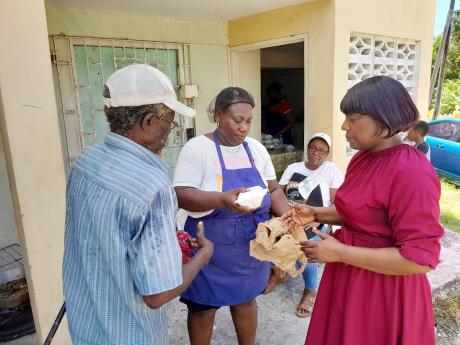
x=198, y=164
x=327, y=173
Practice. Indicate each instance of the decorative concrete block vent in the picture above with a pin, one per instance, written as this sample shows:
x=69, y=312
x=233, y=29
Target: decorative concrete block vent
x=371, y=55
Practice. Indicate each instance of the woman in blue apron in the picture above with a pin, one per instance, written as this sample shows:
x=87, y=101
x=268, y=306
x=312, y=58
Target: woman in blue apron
x=212, y=170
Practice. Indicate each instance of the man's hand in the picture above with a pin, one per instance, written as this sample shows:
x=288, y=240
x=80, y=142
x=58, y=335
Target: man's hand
x=229, y=198
x=298, y=214
x=189, y=270
x=205, y=246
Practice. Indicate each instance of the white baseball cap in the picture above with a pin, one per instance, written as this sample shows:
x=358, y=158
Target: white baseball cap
x=323, y=136
x=142, y=84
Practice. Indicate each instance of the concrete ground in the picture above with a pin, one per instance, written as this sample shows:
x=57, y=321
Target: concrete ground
x=278, y=324
x=277, y=320
x=26, y=340
x=447, y=273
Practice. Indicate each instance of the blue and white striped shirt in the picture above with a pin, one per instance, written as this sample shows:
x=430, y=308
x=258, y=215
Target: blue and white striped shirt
x=120, y=244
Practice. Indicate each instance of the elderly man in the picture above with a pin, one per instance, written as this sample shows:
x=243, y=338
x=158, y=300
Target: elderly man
x=122, y=261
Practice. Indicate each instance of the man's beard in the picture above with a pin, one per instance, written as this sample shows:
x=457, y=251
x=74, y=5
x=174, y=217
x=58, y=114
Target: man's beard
x=160, y=145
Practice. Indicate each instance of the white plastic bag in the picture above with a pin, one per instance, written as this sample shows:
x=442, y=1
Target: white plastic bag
x=252, y=198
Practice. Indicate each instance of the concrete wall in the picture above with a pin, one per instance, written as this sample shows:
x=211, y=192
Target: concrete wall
x=208, y=44
x=410, y=19
x=328, y=24
x=33, y=156
x=211, y=72
x=246, y=74
x=317, y=20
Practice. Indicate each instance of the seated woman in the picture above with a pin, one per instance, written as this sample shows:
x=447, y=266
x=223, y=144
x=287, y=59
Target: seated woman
x=313, y=182
x=211, y=171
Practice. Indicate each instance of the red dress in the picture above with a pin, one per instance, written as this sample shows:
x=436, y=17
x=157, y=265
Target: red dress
x=389, y=198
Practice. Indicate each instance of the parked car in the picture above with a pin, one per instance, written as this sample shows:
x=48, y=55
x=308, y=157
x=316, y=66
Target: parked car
x=444, y=140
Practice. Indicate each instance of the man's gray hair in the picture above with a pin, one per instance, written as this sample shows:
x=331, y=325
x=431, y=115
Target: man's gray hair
x=122, y=119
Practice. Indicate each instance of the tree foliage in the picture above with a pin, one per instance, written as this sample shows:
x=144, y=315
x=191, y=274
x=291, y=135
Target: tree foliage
x=453, y=55
x=450, y=97
x=451, y=88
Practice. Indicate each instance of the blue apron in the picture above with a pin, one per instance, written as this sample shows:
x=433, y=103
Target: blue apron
x=232, y=275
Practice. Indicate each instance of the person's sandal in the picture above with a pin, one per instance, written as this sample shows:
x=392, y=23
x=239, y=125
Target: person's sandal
x=305, y=306
x=276, y=277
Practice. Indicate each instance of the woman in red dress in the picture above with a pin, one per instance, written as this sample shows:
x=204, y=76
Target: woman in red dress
x=374, y=289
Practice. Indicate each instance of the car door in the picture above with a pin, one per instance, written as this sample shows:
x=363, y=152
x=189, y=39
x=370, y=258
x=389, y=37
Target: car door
x=443, y=139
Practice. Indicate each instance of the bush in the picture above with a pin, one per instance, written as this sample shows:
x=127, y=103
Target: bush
x=450, y=96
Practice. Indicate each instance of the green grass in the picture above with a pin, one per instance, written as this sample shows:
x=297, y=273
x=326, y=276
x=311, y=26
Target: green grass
x=450, y=206
x=447, y=316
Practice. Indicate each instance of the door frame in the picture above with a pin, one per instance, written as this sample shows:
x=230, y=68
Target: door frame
x=300, y=38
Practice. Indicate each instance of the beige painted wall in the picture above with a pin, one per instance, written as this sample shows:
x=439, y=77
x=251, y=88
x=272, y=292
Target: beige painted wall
x=328, y=24
x=208, y=44
x=90, y=23
x=408, y=19
x=246, y=74
x=210, y=72
x=317, y=20
x=30, y=132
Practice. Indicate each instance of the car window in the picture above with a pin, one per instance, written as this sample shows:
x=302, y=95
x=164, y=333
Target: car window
x=445, y=130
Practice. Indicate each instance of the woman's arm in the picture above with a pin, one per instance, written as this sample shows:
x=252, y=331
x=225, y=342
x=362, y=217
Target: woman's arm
x=327, y=215
x=279, y=201
x=300, y=214
x=379, y=260
x=195, y=200
x=332, y=192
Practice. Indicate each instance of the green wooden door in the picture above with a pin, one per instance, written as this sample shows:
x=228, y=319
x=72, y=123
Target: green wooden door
x=94, y=64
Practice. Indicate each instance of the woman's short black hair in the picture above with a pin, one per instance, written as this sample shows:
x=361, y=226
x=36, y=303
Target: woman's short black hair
x=384, y=99
x=227, y=97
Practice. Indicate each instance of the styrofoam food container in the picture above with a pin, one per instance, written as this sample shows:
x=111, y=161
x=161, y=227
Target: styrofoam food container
x=252, y=198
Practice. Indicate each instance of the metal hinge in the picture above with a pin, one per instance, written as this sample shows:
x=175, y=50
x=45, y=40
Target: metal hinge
x=53, y=58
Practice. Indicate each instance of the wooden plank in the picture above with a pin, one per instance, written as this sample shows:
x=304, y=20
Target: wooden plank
x=93, y=55
x=69, y=103
x=81, y=66
x=86, y=110
x=61, y=48
x=101, y=125
x=96, y=85
x=72, y=131
x=108, y=66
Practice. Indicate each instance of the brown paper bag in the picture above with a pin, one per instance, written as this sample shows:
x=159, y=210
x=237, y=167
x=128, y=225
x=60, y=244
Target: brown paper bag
x=280, y=245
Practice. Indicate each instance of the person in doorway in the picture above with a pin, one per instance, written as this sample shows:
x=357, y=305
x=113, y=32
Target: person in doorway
x=313, y=182
x=278, y=117
x=122, y=261
x=374, y=288
x=212, y=170
x=417, y=134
